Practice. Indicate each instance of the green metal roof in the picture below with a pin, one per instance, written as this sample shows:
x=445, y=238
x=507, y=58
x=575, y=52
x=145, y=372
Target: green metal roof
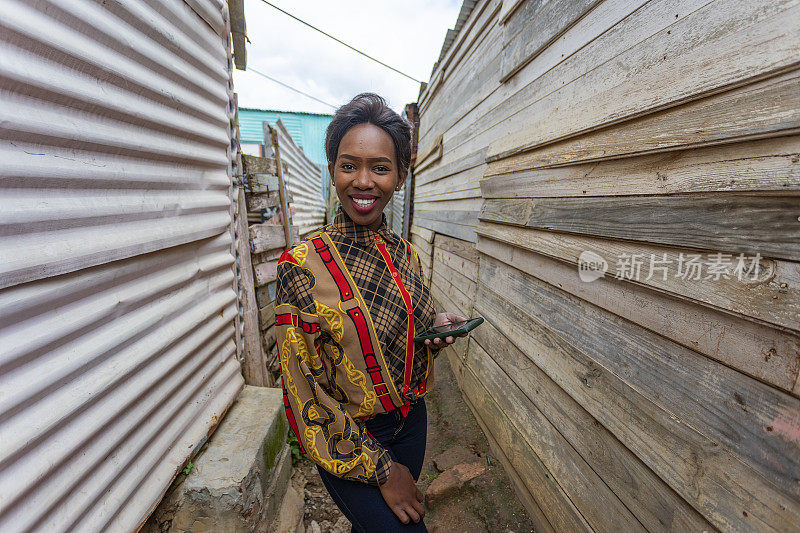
x=306, y=129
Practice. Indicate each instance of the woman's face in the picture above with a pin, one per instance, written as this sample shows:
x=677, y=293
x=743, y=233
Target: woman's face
x=365, y=173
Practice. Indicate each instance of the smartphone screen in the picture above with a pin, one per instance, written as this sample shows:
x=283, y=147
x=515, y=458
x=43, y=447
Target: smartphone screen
x=448, y=327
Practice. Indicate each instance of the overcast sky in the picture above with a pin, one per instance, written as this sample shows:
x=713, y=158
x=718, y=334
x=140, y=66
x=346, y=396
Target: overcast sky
x=406, y=34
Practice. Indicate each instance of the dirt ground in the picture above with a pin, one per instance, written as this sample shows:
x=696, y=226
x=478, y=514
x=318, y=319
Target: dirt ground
x=483, y=504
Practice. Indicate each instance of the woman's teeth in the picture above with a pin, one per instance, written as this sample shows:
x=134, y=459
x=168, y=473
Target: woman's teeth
x=364, y=203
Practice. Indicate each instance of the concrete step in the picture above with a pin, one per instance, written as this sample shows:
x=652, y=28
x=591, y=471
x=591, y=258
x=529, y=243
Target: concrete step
x=290, y=516
x=239, y=478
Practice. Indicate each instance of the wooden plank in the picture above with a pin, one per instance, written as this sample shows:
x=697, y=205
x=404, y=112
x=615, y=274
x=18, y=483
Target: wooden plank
x=440, y=285
x=424, y=233
x=764, y=165
x=705, y=474
x=466, y=233
x=259, y=165
x=730, y=408
x=262, y=183
x=457, y=264
x=266, y=294
x=270, y=336
x=466, y=79
x=269, y=255
x=769, y=225
x=408, y=199
x=432, y=154
x=614, y=27
x=483, y=15
x=768, y=108
x=265, y=272
x=535, y=26
x=463, y=164
x=286, y=219
x=462, y=190
x=264, y=237
x=238, y=34
x=771, y=295
x=422, y=239
x=451, y=296
x=460, y=205
x=458, y=247
x=466, y=218
x=540, y=481
x=598, y=505
x=651, y=500
x=423, y=247
x=583, y=67
x=463, y=283
x=257, y=202
x=508, y=9
x=266, y=315
x=474, y=82
x=641, y=79
x=481, y=108
x=255, y=362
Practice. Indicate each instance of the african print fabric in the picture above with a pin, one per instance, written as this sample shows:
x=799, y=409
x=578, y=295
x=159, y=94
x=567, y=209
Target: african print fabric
x=342, y=320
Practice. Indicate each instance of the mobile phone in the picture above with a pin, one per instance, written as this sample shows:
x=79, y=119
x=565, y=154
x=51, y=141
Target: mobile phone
x=446, y=330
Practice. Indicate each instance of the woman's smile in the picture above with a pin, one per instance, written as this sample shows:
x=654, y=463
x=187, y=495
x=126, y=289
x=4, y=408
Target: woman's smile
x=364, y=203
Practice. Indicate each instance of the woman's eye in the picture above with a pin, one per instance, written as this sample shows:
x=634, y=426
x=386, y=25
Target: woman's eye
x=347, y=166
x=381, y=168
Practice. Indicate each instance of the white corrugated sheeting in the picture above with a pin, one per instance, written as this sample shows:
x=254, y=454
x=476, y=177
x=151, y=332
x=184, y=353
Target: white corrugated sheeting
x=303, y=179
x=116, y=300
x=395, y=211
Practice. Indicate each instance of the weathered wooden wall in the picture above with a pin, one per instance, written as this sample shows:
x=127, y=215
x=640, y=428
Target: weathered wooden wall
x=266, y=243
x=631, y=129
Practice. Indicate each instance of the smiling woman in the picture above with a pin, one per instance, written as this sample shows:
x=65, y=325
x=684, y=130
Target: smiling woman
x=349, y=302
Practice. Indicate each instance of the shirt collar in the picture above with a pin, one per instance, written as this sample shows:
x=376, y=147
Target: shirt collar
x=361, y=234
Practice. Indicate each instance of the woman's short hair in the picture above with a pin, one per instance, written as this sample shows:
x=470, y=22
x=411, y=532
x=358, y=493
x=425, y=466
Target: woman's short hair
x=369, y=108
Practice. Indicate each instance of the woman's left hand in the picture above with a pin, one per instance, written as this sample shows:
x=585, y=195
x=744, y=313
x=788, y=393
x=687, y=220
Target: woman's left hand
x=442, y=319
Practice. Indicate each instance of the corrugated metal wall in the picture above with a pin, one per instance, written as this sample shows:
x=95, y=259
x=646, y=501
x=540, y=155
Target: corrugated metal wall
x=307, y=129
x=303, y=179
x=395, y=212
x=117, y=300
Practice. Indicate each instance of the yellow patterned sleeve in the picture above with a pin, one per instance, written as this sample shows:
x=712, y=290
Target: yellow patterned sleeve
x=327, y=433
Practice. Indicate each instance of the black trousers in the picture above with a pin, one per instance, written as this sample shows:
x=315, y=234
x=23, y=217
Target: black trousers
x=363, y=504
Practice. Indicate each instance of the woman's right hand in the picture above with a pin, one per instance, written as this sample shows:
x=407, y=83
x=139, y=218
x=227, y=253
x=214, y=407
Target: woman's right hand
x=401, y=494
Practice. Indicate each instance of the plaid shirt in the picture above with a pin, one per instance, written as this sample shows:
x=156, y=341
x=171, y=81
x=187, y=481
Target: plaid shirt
x=337, y=383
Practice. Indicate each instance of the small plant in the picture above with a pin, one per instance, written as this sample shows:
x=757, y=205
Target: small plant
x=429, y=476
x=294, y=446
x=188, y=468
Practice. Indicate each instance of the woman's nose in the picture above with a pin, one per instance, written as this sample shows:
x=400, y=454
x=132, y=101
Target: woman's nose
x=363, y=179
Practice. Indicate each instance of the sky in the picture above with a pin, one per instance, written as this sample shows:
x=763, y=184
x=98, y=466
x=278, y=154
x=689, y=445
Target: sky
x=406, y=34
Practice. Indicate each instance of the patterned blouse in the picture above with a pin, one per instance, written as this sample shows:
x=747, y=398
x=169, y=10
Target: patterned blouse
x=345, y=340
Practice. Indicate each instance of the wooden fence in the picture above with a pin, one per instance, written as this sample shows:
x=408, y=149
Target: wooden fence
x=615, y=186
x=281, y=199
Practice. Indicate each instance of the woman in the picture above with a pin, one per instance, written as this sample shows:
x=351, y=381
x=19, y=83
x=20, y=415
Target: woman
x=350, y=299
